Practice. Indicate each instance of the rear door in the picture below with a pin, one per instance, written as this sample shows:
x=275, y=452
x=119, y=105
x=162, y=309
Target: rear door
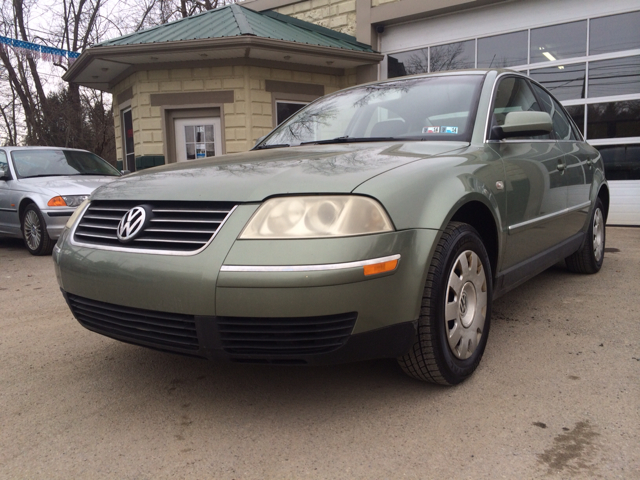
x=536, y=188
x=578, y=157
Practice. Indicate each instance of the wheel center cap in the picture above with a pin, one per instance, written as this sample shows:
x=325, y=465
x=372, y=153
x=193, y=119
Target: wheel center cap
x=468, y=302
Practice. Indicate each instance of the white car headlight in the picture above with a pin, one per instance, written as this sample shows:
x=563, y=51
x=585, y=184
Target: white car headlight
x=316, y=217
x=74, y=216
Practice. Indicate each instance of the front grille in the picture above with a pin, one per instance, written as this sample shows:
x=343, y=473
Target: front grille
x=285, y=336
x=174, y=226
x=159, y=329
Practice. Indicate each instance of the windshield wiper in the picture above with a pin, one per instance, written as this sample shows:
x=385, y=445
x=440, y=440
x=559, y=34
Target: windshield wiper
x=51, y=175
x=273, y=145
x=347, y=139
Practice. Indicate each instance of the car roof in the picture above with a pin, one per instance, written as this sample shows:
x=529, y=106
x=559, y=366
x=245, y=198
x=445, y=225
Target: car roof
x=11, y=149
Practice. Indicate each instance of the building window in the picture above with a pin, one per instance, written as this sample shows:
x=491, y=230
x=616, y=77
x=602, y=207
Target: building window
x=284, y=109
x=502, y=51
x=453, y=56
x=621, y=162
x=618, y=76
x=128, y=144
x=558, y=42
x=613, y=119
x=614, y=33
x=565, y=82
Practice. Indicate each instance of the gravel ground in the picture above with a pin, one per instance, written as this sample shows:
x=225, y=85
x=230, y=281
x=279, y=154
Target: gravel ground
x=557, y=395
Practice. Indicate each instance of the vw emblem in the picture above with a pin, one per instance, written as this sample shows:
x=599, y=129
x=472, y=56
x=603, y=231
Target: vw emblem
x=463, y=304
x=131, y=224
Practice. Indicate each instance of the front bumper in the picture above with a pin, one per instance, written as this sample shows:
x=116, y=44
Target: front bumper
x=56, y=219
x=384, y=307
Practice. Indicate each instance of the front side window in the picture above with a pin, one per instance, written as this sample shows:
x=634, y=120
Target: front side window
x=435, y=108
x=55, y=163
x=514, y=95
x=562, y=128
x=3, y=162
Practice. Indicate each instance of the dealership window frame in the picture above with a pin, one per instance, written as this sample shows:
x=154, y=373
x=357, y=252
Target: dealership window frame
x=529, y=67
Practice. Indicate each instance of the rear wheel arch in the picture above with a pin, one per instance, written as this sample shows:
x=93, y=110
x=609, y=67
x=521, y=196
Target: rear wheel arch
x=603, y=195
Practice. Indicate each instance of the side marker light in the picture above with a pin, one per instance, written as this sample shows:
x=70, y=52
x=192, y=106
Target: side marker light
x=378, y=268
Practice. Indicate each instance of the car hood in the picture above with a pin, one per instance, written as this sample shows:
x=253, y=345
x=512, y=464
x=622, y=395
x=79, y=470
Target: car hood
x=258, y=174
x=71, y=185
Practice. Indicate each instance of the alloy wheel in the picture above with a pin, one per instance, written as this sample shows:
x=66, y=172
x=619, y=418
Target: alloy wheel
x=32, y=230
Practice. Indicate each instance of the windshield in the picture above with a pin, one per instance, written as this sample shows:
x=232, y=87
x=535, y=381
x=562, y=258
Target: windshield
x=45, y=163
x=432, y=108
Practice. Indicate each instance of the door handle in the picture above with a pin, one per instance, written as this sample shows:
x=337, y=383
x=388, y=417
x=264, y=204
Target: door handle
x=561, y=166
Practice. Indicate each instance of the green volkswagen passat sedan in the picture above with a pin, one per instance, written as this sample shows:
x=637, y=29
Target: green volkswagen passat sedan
x=379, y=221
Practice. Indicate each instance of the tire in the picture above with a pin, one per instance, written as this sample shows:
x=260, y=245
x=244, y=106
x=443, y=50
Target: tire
x=456, y=310
x=591, y=255
x=34, y=232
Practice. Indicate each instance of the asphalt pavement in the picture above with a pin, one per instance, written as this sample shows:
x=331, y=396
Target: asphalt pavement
x=557, y=395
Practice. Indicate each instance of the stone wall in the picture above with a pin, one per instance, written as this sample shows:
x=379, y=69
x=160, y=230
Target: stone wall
x=245, y=120
x=339, y=15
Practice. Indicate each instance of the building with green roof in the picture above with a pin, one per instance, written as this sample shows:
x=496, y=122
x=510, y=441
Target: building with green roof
x=215, y=82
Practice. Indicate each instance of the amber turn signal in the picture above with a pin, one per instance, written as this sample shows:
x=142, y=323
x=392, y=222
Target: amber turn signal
x=380, y=267
x=57, y=202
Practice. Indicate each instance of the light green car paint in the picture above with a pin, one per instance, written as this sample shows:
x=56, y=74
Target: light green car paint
x=530, y=207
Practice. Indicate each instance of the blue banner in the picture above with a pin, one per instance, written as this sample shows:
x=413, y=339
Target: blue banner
x=34, y=50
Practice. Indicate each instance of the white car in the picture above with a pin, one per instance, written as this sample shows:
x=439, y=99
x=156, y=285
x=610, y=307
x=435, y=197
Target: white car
x=40, y=187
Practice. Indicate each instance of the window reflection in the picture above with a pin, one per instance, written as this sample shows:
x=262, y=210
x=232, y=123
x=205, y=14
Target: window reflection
x=620, y=76
x=565, y=83
x=613, y=119
x=503, y=50
x=453, y=56
x=614, y=33
x=559, y=41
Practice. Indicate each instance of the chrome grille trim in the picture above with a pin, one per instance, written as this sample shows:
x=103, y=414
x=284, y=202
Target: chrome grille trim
x=95, y=225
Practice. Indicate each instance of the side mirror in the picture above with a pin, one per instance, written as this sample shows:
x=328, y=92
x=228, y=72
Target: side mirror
x=523, y=124
x=5, y=174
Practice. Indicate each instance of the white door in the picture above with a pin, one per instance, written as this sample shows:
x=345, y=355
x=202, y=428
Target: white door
x=197, y=138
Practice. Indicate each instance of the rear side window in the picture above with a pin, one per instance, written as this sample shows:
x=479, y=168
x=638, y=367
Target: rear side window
x=514, y=95
x=562, y=127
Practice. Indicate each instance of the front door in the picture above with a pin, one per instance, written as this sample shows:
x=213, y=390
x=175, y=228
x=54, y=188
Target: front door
x=197, y=138
x=129, y=153
x=536, y=187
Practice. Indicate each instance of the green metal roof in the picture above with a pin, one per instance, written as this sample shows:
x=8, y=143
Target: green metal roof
x=233, y=21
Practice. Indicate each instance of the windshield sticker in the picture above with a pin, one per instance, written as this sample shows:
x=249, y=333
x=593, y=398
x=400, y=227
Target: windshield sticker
x=431, y=130
x=449, y=130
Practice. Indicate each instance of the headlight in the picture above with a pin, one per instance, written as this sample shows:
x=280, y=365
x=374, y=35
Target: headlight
x=67, y=200
x=74, y=216
x=315, y=217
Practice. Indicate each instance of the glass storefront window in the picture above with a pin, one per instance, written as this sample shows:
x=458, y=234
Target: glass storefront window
x=619, y=76
x=502, y=51
x=453, y=56
x=621, y=162
x=564, y=82
x=408, y=63
x=577, y=114
x=558, y=42
x=614, y=33
x=613, y=119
